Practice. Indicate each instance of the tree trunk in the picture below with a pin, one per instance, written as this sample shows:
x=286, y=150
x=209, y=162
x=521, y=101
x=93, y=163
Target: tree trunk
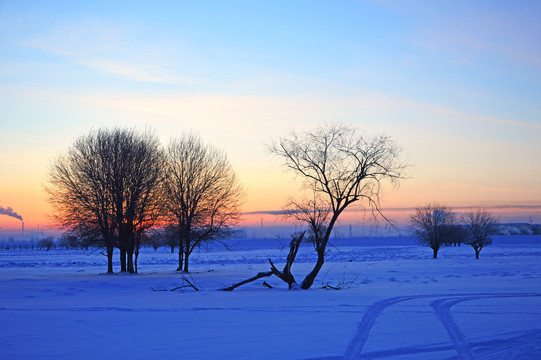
x=129, y=253
x=186, y=260
x=293, y=249
x=110, y=260
x=309, y=279
x=180, y=251
x=477, y=254
x=435, y=256
x=122, y=260
x=180, y=259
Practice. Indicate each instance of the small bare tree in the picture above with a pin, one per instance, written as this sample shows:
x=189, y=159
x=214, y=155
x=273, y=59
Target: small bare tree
x=433, y=225
x=202, y=192
x=480, y=224
x=339, y=167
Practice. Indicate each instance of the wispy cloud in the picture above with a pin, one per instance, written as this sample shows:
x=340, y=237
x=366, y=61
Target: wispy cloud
x=367, y=102
x=495, y=189
x=84, y=37
x=494, y=120
x=484, y=30
x=109, y=49
x=142, y=72
x=267, y=212
x=530, y=207
x=243, y=109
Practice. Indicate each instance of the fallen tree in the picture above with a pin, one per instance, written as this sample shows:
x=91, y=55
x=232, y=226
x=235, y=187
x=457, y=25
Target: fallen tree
x=285, y=274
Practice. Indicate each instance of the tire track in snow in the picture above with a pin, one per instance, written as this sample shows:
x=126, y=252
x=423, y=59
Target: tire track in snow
x=443, y=313
x=442, y=308
x=525, y=342
x=356, y=345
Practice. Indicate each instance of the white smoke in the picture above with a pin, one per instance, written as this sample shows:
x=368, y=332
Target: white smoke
x=9, y=212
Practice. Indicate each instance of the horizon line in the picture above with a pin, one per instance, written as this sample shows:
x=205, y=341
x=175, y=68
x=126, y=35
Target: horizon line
x=407, y=208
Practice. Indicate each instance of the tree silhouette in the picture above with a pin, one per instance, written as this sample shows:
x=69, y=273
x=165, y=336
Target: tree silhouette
x=480, y=224
x=106, y=187
x=202, y=193
x=433, y=225
x=339, y=167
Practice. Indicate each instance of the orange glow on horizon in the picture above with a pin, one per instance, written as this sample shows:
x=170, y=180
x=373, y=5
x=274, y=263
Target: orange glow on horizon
x=269, y=219
x=268, y=189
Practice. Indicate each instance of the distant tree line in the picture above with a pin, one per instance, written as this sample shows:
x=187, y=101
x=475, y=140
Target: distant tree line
x=111, y=188
x=435, y=226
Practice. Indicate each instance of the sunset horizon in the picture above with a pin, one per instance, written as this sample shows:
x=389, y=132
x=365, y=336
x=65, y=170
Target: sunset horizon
x=455, y=85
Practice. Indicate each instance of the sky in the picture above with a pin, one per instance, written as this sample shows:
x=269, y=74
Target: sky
x=457, y=84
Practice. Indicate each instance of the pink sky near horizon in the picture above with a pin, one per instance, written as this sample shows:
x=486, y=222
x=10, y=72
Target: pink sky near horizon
x=456, y=84
x=354, y=216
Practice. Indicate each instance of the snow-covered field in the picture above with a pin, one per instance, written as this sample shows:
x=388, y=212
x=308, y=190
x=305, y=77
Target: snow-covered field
x=397, y=303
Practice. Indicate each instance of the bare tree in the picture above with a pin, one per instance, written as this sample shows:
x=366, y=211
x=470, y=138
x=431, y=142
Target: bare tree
x=80, y=195
x=171, y=237
x=106, y=187
x=480, y=224
x=154, y=238
x=70, y=241
x=138, y=203
x=202, y=192
x=339, y=167
x=433, y=225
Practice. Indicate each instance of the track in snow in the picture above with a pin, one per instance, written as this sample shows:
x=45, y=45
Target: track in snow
x=441, y=306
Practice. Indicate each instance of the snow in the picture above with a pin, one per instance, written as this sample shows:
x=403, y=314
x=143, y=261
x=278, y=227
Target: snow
x=398, y=304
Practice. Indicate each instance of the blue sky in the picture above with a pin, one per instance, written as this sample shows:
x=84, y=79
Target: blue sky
x=456, y=83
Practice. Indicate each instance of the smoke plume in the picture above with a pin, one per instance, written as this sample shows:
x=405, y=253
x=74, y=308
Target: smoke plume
x=9, y=212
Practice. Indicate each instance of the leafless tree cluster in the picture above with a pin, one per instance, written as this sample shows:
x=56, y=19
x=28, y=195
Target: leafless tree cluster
x=112, y=186
x=339, y=167
x=435, y=225
x=202, y=194
x=165, y=236
x=71, y=241
x=46, y=243
x=106, y=187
